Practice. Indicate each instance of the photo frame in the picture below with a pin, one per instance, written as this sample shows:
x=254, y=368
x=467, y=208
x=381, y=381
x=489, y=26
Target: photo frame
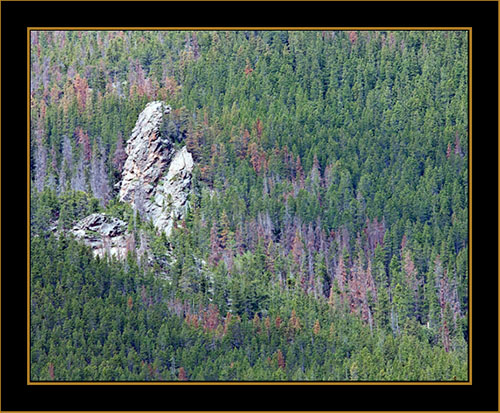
x=480, y=393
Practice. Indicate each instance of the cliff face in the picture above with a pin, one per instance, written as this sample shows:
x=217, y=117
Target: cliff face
x=156, y=178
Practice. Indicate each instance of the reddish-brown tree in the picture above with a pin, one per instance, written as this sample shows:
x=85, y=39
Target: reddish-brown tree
x=297, y=248
x=316, y=328
x=242, y=146
x=353, y=37
x=51, y=371
x=83, y=139
x=182, y=374
x=255, y=158
x=256, y=323
x=258, y=128
x=210, y=318
x=281, y=359
x=81, y=87
x=294, y=321
x=248, y=69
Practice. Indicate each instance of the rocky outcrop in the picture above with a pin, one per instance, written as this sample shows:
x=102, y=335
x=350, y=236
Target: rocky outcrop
x=104, y=234
x=170, y=198
x=156, y=177
x=156, y=181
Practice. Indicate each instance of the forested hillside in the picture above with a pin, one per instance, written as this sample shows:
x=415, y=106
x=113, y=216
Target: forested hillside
x=327, y=231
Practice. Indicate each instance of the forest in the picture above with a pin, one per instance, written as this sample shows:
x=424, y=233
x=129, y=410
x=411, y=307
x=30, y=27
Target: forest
x=326, y=236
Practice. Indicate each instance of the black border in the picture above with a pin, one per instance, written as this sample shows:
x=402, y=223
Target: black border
x=481, y=16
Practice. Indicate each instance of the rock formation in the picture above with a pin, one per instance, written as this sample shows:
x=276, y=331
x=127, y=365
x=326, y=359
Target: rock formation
x=156, y=181
x=156, y=177
x=104, y=234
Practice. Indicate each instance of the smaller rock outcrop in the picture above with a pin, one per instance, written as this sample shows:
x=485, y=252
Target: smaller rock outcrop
x=104, y=234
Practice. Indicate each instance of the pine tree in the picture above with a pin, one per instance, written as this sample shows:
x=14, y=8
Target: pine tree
x=215, y=248
x=225, y=231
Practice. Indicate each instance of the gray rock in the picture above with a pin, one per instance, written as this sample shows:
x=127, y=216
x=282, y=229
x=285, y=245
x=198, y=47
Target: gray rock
x=104, y=234
x=156, y=178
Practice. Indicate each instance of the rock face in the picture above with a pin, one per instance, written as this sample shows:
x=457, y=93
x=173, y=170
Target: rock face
x=156, y=177
x=170, y=199
x=104, y=234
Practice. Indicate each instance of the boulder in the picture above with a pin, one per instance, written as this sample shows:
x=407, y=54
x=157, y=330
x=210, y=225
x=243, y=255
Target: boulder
x=104, y=234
